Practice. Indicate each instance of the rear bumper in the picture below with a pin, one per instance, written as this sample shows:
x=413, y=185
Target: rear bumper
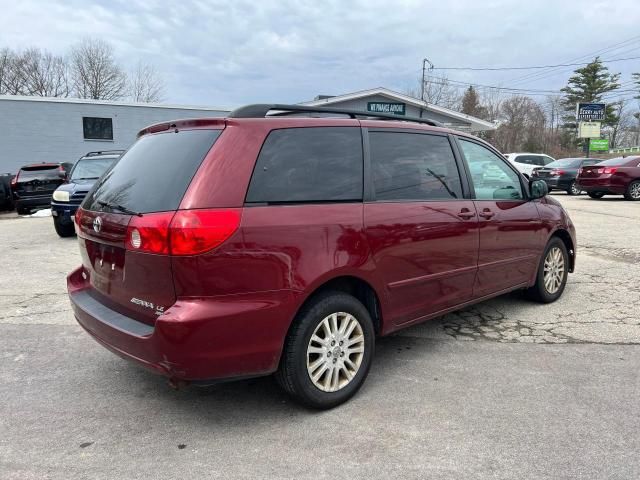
x=35, y=201
x=196, y=339
x=555, y=183
x=604, y=186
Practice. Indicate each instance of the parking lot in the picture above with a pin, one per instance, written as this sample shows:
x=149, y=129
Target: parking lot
x=504, y=389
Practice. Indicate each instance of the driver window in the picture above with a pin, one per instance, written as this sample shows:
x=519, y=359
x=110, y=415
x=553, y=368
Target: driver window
x=492, y=178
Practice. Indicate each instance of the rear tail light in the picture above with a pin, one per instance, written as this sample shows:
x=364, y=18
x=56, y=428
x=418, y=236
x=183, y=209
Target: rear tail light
x=579, y=171
x=556, y=172
x=197, y=231
x=14, y=181
x=609, y=170
x=149, y=233
x=186, y=232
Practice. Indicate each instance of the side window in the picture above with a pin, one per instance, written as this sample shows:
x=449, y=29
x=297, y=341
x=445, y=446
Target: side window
x=526, y=159
x=413, y=166
x=492, y=178
x=314, y=164
x=547, y=160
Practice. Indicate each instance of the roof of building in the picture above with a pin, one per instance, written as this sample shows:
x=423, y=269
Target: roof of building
x=477, y=124
x=115, y=103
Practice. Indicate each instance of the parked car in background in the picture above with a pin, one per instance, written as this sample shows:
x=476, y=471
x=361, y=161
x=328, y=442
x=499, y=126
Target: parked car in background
x=526, y=162
x=562, y=174
x=68, y=196
x=254, y=244
x=617, y=176
x=6, y=197
x=34, y=184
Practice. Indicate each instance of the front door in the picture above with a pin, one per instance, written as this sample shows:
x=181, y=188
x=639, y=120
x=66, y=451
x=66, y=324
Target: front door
x=511, y=234
x=422, y=232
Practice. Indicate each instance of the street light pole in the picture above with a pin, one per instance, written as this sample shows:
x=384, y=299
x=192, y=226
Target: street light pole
x=424, y=70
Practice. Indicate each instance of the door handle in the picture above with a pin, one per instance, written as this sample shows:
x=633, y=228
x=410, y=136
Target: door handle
x=466, y=214
x=486, y=213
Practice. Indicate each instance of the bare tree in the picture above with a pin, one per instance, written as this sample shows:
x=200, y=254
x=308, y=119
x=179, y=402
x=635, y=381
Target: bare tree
x=44, y=74
x=522, y=125
x=145, y=84
x=95, y=73
x=438, y=91
x=6, y=57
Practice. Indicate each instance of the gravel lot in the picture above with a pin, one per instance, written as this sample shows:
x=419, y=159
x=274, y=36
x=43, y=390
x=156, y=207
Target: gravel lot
x=505, y=389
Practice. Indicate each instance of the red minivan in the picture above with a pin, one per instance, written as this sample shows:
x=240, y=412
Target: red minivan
x=273, y=241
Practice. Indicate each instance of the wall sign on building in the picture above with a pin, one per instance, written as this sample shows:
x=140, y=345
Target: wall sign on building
x=386, y=107
x=591, y=112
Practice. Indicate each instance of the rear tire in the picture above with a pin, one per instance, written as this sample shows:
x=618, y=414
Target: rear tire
x=328, y=351
x=63, y=230
x=633, y=191
x=553, y=270
x=596, y=195
x=573, y=189
x=23, y=210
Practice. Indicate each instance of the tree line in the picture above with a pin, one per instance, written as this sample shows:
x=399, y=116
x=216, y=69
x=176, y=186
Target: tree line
x=88, y=70
x=548, y=125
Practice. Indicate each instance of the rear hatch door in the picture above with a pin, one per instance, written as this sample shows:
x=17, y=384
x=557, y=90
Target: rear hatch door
x=150, y=180
x=38, y=180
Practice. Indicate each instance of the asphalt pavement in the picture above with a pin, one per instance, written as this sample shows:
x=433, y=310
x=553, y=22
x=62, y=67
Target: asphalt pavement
x=504, y=389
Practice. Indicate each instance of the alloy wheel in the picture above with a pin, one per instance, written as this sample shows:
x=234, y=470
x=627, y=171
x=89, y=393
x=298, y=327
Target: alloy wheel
x=634, y=191
x=335, y=351
x=554, y=268
x=574, y=189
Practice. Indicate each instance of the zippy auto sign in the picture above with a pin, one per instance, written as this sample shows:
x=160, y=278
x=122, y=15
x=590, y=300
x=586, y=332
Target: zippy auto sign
x=591, y=111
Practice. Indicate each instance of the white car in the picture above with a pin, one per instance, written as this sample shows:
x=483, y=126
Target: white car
x=526, y=162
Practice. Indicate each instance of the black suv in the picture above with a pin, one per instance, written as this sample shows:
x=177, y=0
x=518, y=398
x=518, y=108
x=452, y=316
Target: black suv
x=34, y=185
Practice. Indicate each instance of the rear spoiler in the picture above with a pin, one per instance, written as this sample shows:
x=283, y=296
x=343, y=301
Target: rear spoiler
x=186, y=123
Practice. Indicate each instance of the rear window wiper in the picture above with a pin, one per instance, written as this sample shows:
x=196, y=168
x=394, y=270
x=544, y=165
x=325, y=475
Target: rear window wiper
x=115, y=206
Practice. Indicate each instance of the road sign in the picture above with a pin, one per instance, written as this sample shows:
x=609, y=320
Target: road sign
x=599, y=145
x=386, y=107
x=589, y=130
x=592, y=112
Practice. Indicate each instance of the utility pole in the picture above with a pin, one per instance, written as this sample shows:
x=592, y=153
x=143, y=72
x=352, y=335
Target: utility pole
x=424, y=71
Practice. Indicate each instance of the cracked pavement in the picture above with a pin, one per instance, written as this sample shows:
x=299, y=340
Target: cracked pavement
x=504, y=389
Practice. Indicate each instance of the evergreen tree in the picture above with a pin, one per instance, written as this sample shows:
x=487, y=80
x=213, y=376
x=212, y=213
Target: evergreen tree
x=589, y=84
x=471, y=104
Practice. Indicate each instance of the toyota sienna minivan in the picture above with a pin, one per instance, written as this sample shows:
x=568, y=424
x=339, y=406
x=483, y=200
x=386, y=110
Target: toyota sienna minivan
x=274, y=241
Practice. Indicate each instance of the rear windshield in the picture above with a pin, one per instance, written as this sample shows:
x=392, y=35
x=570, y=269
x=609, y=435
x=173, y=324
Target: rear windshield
x=621, y=161
x=31, y=173
x=153, y=175
x=565, y=162
x=91, y=169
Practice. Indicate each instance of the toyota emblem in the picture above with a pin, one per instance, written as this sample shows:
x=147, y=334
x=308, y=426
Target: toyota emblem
x=97, y=224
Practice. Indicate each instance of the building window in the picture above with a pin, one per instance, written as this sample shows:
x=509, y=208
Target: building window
x=95, y=128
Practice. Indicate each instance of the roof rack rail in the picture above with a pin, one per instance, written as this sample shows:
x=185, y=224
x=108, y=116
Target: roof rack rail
x=260, y=110
x=102, y=152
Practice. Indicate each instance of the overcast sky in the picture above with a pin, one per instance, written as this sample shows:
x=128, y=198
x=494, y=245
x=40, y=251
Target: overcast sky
x=226, y=53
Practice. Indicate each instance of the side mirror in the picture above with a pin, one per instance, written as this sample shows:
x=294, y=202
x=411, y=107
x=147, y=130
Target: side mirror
x=538, y=189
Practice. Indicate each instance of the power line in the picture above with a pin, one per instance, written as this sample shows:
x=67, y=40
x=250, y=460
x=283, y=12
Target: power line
x=531, y=68
x=555, y=70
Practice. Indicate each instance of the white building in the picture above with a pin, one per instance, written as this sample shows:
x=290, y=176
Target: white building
x=37, y=129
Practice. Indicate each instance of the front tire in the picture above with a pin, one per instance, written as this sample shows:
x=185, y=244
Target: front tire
x=553, y=271
x=328, y=351
x=63, y=230
x=633, y=191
